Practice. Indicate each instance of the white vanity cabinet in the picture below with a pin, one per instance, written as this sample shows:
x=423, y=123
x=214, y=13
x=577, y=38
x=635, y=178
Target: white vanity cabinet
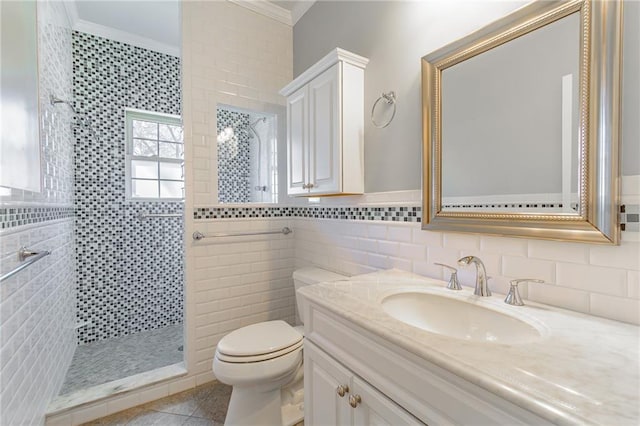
x=395, y=386
x=334, y=395
x=325, y=127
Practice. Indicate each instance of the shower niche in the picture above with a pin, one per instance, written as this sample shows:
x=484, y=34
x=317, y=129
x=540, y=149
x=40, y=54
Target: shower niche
x=247, y=143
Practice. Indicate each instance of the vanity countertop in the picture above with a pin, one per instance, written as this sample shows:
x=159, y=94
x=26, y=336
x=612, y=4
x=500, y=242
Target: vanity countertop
x=584, y=370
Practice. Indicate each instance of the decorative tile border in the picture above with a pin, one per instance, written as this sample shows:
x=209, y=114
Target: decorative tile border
x=11, y=217
x=391, y=214
x=18, y=216
x=520, y=206
x=629, y=218
x=241, y=212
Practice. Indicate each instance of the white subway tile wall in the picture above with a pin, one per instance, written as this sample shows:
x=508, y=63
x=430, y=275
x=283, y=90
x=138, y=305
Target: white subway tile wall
x=235, y=57
x=36, y=321
x=598, y=280
x=37, y=305
x=231, y=56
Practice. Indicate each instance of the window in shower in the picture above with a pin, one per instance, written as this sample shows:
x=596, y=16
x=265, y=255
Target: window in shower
x=155, y=156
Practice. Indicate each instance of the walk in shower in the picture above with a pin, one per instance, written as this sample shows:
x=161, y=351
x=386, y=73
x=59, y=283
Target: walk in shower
x=129, y=213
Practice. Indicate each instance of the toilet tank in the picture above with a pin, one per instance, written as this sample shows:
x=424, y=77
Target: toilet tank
x=308, y=276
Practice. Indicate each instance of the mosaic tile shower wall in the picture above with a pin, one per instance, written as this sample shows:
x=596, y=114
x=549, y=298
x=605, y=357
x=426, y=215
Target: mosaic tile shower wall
x=130, y=271
x=234, y=159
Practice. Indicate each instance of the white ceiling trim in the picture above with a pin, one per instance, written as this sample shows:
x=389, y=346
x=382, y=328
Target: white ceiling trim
x=125, y=37
x=301, y=7
x=267, y=9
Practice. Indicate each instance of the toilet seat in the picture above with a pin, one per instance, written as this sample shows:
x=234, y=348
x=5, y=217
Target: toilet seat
x=273, y=372
x=259, y=342
x=258, y=358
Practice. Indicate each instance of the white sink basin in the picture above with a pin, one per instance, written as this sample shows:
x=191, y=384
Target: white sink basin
x=458, y=319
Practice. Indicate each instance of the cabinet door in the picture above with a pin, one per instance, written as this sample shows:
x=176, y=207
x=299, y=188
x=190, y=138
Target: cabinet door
x=375, y=409
x=325, y=173
x=297, y=142
x=322, y=376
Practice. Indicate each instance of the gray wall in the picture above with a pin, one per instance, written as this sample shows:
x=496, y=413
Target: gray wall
x=394, y=36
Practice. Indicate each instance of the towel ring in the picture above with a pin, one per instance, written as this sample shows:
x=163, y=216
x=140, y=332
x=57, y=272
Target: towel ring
x=389, y=98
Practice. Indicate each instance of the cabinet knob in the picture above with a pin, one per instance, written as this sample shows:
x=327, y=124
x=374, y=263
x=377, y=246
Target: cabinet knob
x=354, y=400
x=342, y=390
x=307, y=185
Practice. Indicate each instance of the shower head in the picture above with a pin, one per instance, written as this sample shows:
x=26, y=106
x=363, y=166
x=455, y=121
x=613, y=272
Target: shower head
x=82, y=121
x=55, y=100
x=263, y=119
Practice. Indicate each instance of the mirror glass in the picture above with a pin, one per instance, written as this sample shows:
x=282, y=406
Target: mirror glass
x=19, y=114
x=510, y=125
x=247, y=155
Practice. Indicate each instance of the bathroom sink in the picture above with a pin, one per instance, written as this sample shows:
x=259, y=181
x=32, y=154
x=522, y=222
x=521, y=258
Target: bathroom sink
x=458, y=318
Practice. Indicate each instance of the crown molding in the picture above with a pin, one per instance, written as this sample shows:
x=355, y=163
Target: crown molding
x=323, y=64
x=125, y=37
x=301, y=7
x=266, y=8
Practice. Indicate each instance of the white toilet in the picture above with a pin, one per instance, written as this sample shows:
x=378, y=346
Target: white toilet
x=263, y=363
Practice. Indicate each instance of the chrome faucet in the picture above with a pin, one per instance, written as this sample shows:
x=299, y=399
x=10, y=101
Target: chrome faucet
x=482, y=289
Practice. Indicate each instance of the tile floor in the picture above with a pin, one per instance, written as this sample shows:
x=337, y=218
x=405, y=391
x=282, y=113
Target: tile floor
x=113, y=359
x=205, y=405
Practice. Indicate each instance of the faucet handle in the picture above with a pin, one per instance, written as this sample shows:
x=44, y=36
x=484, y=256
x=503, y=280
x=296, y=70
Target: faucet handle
x=453, y=283
x=513, y=298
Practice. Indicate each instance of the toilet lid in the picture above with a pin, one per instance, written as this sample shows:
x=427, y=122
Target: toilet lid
x=259, y=339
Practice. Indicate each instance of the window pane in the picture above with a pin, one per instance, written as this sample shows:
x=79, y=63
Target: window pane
x=145, y=148
x=171, y=150
x=145, y=129
x=144, y=169
x=144, y=188
x=170, y=171
x=170, y=133
x=171, y=189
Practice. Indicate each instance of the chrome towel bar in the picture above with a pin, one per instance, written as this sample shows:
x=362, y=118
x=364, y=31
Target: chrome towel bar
x=199, y=235
x=27, y=257
x=145, y=215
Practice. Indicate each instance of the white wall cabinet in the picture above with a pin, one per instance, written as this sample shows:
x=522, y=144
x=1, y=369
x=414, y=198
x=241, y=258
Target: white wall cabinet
x=325, y=127
x=334, y=395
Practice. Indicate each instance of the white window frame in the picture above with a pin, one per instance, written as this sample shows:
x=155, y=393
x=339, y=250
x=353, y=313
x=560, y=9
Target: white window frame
x=130, y=115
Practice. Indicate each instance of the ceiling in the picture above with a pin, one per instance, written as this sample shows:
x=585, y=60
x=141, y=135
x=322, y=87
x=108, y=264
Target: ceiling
x=155, y=24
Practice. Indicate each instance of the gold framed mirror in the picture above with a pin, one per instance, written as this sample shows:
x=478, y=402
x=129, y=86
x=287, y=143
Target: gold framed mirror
x=521, y=123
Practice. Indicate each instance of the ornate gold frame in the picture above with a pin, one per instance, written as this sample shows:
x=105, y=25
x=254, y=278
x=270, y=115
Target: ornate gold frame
x=599, y=100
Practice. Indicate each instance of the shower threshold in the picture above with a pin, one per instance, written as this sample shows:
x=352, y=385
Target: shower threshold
x=96, y=393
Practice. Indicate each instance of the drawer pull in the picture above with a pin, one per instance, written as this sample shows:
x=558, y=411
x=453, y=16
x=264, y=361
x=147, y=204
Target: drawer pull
x=342, y=390
x=354, y=400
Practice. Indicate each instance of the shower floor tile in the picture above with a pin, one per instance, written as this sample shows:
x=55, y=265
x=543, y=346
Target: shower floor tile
x=113, y=359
